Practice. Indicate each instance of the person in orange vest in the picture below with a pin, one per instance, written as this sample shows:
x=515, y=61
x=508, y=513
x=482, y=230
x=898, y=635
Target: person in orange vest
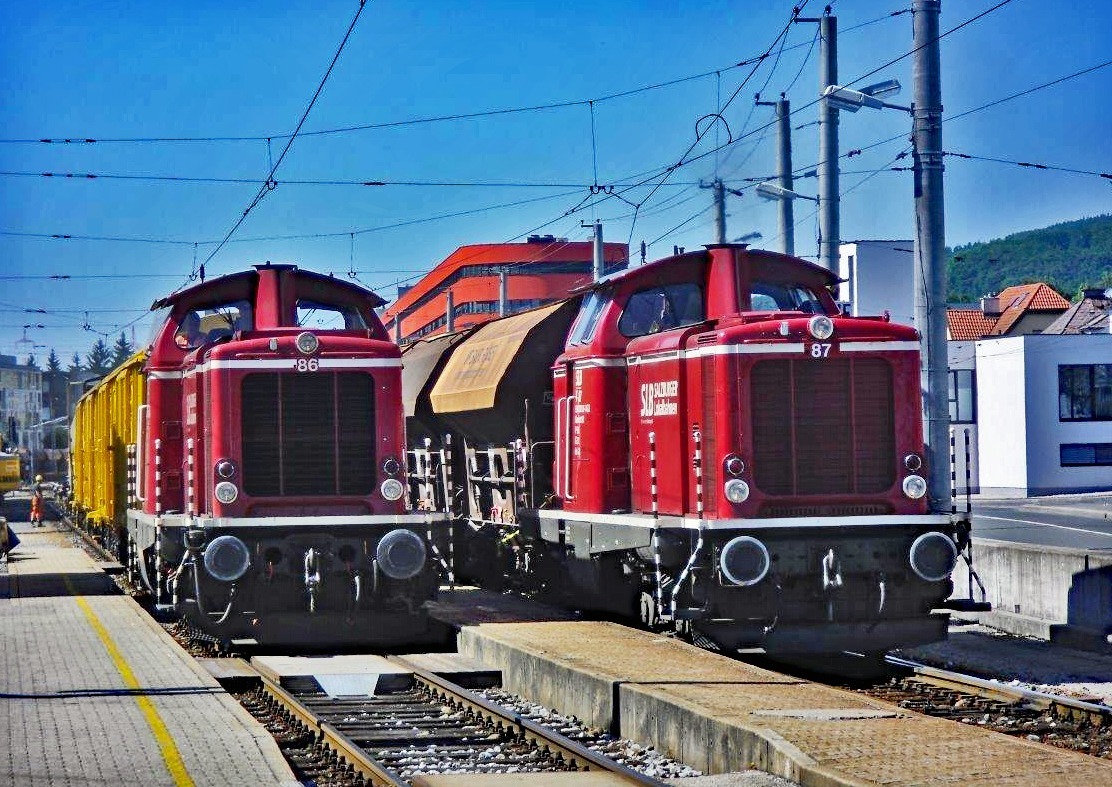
x=37, y=503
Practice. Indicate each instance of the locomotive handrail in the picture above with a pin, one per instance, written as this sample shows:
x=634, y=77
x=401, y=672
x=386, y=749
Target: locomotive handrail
x=140, y=442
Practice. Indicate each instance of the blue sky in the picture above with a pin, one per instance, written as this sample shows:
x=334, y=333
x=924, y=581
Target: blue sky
x=248, y=69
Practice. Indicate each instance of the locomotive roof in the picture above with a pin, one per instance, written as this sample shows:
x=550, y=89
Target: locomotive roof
x=250, y=277
x=817, y=270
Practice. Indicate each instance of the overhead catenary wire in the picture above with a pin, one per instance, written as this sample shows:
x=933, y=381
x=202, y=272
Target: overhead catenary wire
x=88, y=139
x=270, y=183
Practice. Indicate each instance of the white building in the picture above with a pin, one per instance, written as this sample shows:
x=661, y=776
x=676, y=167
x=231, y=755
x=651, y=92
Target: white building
x=1045, y=414
x=878, y=278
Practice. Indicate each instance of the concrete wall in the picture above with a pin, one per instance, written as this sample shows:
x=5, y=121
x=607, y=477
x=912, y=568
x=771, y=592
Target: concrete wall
x=879, y=276
x=1041, y=591
x=1002, y=417
x=963, y=355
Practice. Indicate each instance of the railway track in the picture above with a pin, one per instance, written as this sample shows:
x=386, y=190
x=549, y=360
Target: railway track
x=432, y=726
x=1052, y=719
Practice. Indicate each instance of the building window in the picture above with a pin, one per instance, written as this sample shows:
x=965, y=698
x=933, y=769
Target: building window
x=1085, y=392
x=963, y=399
x=1086, y=454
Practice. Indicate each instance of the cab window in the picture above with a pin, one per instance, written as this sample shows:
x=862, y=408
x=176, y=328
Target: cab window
x=774, y=297
x=662, y=308
x=213, y=323
x=587, y=321
x=329, y=316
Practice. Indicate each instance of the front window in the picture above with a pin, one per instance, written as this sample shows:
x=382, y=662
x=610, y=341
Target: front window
x=329, y=317
x=963, y=403
x=1085, y=392
x=213, y=323
x=587, y=321
x=1085, y=454
x=773, y=297
x=662, y=308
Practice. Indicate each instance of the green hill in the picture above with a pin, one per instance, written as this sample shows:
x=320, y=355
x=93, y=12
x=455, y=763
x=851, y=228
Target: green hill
x=1067, y=256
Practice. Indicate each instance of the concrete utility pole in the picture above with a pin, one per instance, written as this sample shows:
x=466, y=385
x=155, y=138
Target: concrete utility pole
x=830, y=235
x=719, y=208
x=449, y=312
x=598, y=256
x=784, y=170
x=502, y=292
x=930, y=245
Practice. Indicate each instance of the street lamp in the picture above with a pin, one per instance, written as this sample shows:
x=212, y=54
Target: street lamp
x=852, y=100
x=773, y=192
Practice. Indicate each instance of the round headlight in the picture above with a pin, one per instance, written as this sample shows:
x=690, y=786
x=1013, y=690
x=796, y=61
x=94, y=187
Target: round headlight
x=307, y=343
x=913, y=462
x=915, y=486
x=227, y=558
x=821, y=327
x=736, y=490
x=401, y=554
x=225, y=469
x=391, y=466
x=744, y=561
x=226, y=492
x=933, y=556
x=734, y=465
x=392, y=489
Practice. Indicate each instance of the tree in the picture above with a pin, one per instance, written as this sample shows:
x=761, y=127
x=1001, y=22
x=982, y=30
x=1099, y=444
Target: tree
x=75, y=366
x=121, y=350
x=31, y=362
x=99, y=359
x=53, y=363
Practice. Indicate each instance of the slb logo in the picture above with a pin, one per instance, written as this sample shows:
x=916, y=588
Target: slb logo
x=659, y=398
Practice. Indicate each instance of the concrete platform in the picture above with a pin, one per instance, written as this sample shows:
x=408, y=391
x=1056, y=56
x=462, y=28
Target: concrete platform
x=720, y=715
x=95, y=692
x=461, y=670
x=338, y=676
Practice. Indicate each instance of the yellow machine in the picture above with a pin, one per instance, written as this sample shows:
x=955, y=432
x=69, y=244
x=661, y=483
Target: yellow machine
x=9, y=473
x=104, y=424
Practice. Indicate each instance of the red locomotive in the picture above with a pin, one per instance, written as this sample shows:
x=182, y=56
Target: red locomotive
x=705, y=442
x=266, y=499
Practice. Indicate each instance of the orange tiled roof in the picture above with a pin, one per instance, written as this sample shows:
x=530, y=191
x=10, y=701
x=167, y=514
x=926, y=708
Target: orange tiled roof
x=968, y=324
x=1017, y=301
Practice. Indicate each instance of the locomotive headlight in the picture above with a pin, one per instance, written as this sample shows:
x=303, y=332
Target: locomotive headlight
x=736, y=491
x=391, y=466
x=744, y=561
x=307, y=343
x=915, y=486
x=734, y=465
x=401, y=554
x=225, y=468
x=821, y=327
x=392, y=489
x=913, y=462
x=227, y=558
x=226, y=492
x=933, y=556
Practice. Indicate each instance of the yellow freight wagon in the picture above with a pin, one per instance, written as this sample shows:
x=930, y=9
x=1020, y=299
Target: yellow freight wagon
x=9, y=473
x=104, y=424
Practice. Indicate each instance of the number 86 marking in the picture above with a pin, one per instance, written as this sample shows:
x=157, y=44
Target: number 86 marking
x=820, y=350
x=307, y=364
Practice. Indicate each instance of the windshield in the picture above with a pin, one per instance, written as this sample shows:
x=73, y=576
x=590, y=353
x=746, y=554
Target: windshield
x=329, y=317
x=773, y=297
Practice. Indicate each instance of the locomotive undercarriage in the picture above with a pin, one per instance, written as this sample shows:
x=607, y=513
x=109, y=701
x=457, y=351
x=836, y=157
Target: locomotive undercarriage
x=290, y=585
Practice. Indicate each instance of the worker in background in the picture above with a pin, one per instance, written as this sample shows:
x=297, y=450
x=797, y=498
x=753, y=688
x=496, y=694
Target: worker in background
x=37, y=502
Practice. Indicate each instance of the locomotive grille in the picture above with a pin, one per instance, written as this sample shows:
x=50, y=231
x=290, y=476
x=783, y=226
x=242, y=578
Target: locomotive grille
x=308, y=434
x=823, y=427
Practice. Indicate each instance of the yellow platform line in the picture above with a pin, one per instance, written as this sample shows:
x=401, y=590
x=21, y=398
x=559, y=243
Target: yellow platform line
x=166, y=745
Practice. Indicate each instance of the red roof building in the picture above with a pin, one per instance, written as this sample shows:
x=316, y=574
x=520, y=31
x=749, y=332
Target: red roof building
x=1023, y=309
x=539, y=271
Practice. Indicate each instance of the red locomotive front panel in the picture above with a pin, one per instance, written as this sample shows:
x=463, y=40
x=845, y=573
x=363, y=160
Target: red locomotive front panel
x=272, y=459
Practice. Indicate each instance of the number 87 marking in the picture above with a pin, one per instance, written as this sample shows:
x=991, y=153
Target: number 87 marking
x=819, y=350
